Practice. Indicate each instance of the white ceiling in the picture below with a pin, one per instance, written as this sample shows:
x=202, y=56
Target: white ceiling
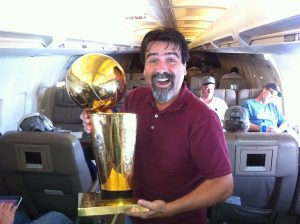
x=119, y=25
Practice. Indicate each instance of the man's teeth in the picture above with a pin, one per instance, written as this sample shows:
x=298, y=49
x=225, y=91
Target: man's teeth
x=162, y=79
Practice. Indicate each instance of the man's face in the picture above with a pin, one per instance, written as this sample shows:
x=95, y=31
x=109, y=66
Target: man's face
x=207, y=91
x=164, y=71
x=269, y=95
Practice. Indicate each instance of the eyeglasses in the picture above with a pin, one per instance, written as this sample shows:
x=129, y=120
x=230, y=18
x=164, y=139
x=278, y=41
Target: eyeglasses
x=273, y=92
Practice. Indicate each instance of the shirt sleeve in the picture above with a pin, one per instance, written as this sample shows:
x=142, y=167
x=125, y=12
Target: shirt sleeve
x=280, y=116
x=245, y=104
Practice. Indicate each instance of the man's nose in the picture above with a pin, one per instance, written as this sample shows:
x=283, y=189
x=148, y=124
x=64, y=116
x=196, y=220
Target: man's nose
x=161, y=67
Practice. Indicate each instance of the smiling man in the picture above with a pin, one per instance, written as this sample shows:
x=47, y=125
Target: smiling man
x=181, y=162
x=164, y=72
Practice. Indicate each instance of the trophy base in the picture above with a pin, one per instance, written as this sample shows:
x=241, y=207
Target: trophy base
x=92, y=204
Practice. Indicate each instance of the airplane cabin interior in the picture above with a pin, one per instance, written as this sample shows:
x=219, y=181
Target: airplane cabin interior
x=40, y=40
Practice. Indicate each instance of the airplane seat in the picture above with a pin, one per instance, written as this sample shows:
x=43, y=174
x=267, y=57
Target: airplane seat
x=65, y=113
x=132, y=84
x=194, y=84
x=137, y=76
x=3, y=190
x=192, y=71
x=244, y=94
x=228, y=95
x=265, y=170
x=47, y=169
x=295, y=207
x=233, y=83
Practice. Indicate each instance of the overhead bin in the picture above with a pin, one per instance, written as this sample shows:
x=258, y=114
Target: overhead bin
x=221, y=36
x=259, y=26
x=269, y=26
x=73, y=46
x=224, y=35
x=12, y=43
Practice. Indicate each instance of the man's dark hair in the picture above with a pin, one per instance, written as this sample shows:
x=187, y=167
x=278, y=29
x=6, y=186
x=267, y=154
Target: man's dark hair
x=169, y=35
x=234, y=69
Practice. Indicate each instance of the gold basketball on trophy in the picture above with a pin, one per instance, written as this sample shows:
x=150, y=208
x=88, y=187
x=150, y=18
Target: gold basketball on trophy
x=95, y=82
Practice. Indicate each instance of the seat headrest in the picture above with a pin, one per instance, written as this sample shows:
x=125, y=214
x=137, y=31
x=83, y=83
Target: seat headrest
x=62, y=98
x=244, y=94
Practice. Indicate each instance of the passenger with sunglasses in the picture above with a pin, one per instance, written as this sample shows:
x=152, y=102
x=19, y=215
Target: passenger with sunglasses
x=262, y=109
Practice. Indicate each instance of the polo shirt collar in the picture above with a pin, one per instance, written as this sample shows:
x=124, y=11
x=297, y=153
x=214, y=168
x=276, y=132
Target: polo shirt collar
x=177, y=104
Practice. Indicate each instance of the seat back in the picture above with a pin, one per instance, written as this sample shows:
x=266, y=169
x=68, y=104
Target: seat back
x=47, y=169
x=259, y=160
x=65, y=113
x=193, y=71
x=3, y=190
x=244, y=94
x=137, y=76
x=194, y=84
x=295, y=208
x=265, y=170
x=228, y=95
x=233, y=83
x=60, y=109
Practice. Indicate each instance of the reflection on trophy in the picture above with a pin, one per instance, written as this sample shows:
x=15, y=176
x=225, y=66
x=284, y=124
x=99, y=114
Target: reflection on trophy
x=96, y=83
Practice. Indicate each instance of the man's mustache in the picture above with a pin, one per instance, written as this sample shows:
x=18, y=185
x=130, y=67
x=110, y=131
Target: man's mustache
x=164, y=75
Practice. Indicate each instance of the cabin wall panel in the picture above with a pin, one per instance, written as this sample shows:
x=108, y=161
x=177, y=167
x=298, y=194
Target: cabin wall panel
x=289, y=74
x=21, y=79
x=18, y=108
x=255, y=67
x=9, y=68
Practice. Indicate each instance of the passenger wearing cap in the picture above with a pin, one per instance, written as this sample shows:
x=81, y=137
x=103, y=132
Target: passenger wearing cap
x=263, y=110
x=236, y=119
x=207, y=88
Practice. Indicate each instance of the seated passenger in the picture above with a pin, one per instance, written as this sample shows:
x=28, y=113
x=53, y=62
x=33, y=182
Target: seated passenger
x=234, y=73
x=207, y=88
x=236, y=119
x=10, y=215
x=263, y=110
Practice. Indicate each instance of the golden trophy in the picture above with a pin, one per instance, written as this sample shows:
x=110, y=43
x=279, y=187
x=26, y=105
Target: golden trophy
x=96, y=83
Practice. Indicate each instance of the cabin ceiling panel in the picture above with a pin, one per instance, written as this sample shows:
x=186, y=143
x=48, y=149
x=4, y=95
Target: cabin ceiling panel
x=197, y=15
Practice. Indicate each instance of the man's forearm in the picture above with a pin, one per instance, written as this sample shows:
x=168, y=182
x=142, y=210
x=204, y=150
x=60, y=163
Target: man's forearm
x=208, y=193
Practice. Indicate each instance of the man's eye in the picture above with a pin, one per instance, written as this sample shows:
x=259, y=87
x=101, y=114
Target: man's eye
x=152, y=61
x=171, y=60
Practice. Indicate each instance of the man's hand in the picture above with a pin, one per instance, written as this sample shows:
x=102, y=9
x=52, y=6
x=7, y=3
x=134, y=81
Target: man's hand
x=274, y=129
x=157, y=209
x=84, y=116
x=86, y=121
x=7, y=213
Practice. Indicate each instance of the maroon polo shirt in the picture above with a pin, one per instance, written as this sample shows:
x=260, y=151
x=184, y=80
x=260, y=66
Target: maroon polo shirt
x=176, y=150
